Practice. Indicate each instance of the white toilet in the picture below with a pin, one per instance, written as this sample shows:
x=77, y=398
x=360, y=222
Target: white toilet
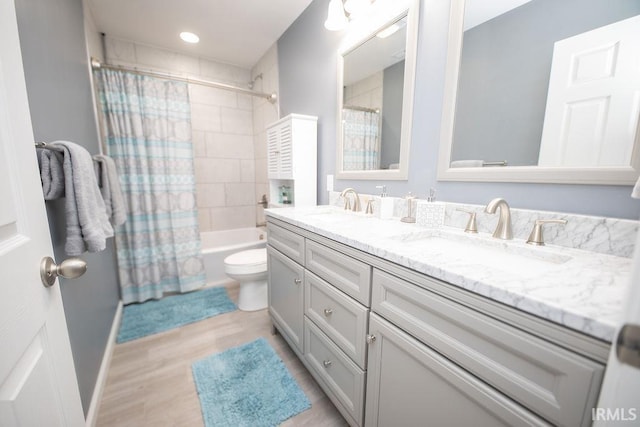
x=250, y=269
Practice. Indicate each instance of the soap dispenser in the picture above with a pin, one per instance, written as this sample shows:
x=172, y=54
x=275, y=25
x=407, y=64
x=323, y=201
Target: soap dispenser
x=410, y=218
x=430, y=214
x=383, y=204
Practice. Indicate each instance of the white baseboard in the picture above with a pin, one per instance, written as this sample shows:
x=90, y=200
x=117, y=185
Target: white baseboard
x=101, y=381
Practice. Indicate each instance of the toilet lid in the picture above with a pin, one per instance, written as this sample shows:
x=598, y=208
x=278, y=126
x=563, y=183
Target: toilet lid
x=250, y=257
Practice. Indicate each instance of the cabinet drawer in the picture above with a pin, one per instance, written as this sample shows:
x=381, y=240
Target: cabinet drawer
x=409, y=384
x=342, y=377
x=287, y=242
x=351, y=276
x=340, y=317
x=559, y=385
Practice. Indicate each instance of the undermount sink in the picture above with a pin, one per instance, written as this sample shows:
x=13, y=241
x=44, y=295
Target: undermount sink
x=507, y=256
x=331, y=213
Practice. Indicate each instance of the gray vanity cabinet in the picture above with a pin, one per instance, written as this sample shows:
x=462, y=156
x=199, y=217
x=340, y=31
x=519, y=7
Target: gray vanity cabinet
x=409, y=384
x=426, y=352
x=286, y=297
x=549, y=380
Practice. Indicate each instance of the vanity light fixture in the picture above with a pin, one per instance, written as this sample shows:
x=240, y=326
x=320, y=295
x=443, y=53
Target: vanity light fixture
x=356, y=7
x=336, y=19
x=189, y=37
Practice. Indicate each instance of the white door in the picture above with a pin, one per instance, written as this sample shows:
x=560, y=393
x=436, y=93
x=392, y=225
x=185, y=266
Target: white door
x=619, y=402
x=38, y=385
x=594, y=98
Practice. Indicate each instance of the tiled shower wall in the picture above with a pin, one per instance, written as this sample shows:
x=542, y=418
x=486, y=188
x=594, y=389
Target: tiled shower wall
x=366, y=92
x=264, y=113
x=223, y=132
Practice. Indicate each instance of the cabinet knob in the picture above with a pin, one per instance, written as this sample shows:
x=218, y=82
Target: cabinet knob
x=297, y=281
x=327, y=363
x=328, y=311
x=371, y=339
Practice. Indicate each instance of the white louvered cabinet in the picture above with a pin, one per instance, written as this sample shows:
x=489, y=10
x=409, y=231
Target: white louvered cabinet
x=292, y=159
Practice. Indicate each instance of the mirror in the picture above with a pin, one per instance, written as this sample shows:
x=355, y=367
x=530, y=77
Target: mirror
x=375, y=96
x=542, y=91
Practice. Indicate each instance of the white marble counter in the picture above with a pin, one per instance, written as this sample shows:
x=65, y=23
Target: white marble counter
x=575, y=288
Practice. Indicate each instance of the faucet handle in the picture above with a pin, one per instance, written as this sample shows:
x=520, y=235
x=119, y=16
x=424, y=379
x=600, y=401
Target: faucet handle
x=536, y=238
x=472, y=226
x=369, y=208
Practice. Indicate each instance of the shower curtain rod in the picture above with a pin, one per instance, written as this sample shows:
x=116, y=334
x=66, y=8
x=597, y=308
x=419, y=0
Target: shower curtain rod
x=359, y=108
x=271, y=97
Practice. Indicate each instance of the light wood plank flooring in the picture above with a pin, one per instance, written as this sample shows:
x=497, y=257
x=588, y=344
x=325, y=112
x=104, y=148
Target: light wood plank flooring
x=150, y=381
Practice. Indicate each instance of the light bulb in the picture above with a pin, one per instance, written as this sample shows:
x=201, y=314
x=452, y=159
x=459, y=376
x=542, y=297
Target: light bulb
x=336, y=19
x=356, y=7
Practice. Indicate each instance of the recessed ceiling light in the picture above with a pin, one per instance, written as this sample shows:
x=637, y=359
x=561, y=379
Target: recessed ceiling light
x=189, y=37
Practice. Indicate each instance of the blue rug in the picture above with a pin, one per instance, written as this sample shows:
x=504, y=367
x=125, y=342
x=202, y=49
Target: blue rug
x=151, y=317
x=247, y=386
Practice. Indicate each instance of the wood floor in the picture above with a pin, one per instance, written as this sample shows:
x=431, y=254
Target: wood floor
x=150, y=381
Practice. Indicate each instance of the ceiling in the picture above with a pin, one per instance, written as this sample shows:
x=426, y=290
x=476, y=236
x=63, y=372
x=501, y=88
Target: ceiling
x=236, y=32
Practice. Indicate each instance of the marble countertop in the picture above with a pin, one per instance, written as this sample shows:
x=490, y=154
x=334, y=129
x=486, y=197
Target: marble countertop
x=578, y=289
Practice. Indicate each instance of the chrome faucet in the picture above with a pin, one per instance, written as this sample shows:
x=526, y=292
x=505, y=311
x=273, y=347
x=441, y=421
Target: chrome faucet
x=503, y=229
x=347, y=202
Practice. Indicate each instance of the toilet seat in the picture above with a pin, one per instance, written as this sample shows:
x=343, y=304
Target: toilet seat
x=247, y=262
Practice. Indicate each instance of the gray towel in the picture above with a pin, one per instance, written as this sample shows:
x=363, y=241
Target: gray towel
x=51, y=173
x=110, y=189
x=87, y=223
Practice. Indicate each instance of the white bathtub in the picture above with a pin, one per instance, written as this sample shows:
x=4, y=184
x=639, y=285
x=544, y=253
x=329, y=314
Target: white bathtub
x=217, y=245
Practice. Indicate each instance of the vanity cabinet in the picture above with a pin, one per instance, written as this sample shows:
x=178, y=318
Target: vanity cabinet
x=426, y=352
x=549, y=380
x=410, y=384
x=285, y=290
x=324, y=320
x=285, y=294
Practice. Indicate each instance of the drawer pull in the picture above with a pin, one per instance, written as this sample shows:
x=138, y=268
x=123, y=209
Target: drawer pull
x=327, y=363
x=328, y=311
x=371, y=339
x=297, y=281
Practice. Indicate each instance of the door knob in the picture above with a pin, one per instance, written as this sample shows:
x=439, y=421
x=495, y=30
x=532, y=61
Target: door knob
x=70, y=268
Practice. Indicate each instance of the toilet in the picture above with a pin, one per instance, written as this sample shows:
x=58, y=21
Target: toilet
x=250, y=269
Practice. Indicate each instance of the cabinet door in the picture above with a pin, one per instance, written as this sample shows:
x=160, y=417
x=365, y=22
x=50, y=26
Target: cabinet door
x=411, y=385
x=286, y=297
x=273, y=152
x=285, y=160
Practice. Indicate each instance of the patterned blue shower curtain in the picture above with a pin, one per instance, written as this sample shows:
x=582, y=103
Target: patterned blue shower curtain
x=148, y=134
x=360, y=139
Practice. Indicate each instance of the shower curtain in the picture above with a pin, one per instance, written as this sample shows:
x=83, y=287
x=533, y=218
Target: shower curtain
x=360, y=139
x=148, y=134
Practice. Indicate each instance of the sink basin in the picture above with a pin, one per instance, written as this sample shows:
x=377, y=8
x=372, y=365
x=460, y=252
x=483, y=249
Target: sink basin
x=513, y=257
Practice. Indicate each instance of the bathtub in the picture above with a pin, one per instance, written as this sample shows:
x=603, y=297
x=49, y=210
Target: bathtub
x=217, y=245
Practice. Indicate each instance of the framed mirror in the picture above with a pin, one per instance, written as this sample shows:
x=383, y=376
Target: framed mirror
x=376, y=73
x=542, y=91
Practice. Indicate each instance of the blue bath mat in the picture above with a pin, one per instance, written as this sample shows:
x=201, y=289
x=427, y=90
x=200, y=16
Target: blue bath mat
x=247, y=385
x=151, y=317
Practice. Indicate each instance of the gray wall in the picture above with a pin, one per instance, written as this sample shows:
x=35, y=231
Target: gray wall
x=59, y=91
x=507, y=60
x=307, y=64
x=392, y=85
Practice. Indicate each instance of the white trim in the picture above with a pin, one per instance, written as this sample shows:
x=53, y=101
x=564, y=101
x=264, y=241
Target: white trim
x=622, y=175
x=101, y=380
